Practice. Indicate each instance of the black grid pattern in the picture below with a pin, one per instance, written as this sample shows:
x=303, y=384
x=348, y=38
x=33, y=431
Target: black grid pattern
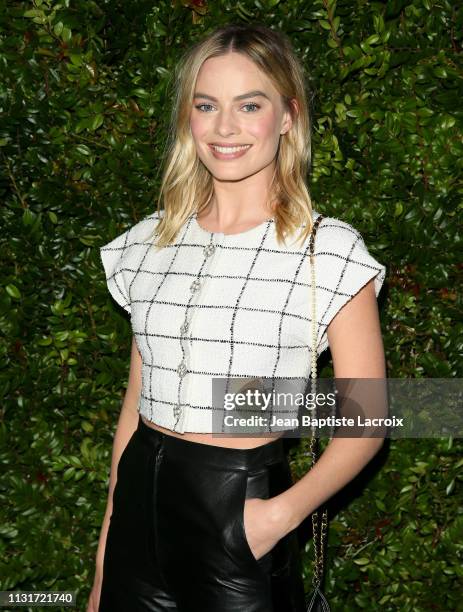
x=249, y=317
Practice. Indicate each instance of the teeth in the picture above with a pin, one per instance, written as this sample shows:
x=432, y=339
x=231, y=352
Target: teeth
x=230, y=149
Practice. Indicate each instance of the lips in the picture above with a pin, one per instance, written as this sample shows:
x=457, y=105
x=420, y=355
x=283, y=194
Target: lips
x=229, y=148
x=228, y=152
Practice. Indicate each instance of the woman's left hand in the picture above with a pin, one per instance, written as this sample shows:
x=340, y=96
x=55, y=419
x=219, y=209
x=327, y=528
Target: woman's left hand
x=265, y=523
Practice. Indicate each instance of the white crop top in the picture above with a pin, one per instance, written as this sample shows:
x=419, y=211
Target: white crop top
x=228, y=305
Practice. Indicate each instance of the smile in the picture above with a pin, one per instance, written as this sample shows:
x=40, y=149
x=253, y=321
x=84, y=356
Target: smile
x=229, y=152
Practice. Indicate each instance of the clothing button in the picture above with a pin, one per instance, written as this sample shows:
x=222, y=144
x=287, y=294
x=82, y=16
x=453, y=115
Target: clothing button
x=182, y=369
x=209, y=250
x=184, y=328
x=177, y=410
x=195, y=285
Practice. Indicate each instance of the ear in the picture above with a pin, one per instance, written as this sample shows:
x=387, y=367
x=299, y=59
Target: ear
x=288, y=121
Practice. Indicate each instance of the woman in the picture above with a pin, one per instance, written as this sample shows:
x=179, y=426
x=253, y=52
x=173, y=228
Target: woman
x=196, y=520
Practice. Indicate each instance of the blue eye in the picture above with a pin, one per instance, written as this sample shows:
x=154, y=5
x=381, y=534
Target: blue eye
x=253, y=104
x=198, y=106
x=206, y=108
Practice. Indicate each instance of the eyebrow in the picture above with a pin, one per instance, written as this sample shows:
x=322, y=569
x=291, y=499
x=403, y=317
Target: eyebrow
x=249, y=94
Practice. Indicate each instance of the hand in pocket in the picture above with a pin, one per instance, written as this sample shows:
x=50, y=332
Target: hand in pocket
x=264, y=525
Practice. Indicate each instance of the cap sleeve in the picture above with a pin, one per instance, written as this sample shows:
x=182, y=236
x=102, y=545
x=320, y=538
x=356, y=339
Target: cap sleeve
x=121, y=257
x=345, y=267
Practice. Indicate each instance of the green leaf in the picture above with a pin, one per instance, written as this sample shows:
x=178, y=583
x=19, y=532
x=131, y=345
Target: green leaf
x=87, y=426
x=362, y=561
x=76, y=59
x=13, y=291
x=28, y=217
x=372, y=40
x=58, y=28
x=140, y=93
x=450, y=487
x=83, y=149
x=96, y=122
x=354, y=112
x=66, y=34
x=440, y=72
x=34, y=13
x=68, y=474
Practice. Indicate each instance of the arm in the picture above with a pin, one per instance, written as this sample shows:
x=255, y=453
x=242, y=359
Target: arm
x=127, y=424
x=356, y=345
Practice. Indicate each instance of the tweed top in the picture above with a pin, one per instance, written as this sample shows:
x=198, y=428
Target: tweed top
x=228, y=305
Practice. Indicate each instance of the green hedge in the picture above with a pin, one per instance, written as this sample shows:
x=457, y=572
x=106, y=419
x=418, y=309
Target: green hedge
x=85, y=100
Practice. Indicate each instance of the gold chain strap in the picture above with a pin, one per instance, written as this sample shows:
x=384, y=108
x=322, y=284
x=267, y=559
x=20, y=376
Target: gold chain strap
x=319, y=536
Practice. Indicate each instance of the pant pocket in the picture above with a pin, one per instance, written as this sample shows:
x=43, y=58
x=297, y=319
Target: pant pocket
x=126, y=452
x=255, y=485
x=126, y=472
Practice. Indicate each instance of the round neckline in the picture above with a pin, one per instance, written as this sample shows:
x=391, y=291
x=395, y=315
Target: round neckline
x=236, y=234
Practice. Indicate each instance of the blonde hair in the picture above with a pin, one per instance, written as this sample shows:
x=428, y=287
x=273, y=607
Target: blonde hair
x=187, y=185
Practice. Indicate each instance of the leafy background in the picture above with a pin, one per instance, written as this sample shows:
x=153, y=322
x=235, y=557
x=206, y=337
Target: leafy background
x=85, y=100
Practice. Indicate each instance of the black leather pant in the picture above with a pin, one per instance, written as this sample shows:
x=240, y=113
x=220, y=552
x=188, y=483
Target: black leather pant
x=176, y=539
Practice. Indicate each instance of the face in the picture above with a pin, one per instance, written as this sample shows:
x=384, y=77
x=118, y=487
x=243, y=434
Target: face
x=237, y=118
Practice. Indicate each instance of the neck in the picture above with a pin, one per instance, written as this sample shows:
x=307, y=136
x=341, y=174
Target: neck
x=243, y=201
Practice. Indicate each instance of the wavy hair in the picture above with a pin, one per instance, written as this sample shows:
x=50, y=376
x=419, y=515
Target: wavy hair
x=187, y=185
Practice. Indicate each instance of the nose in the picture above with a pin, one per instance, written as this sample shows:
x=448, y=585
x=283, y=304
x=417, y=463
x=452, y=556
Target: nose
x=226, y=123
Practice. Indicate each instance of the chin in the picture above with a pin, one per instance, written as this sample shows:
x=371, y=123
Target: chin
x=231, y=176
x=229, y=171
